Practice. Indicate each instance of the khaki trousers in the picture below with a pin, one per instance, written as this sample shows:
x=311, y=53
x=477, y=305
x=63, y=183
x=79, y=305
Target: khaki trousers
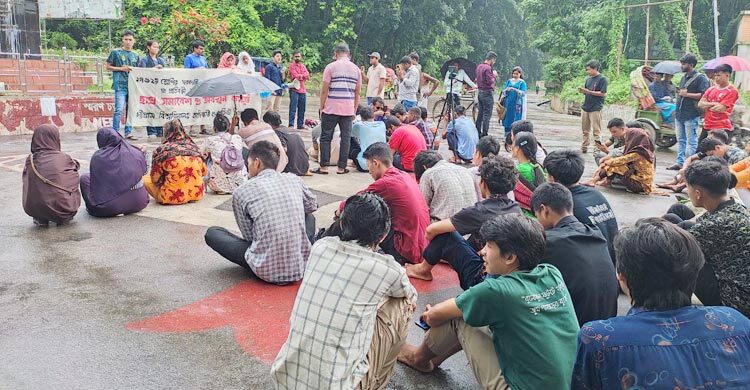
x=478, y=346
x=589, y=121
x=391, y=327
x=274, y=103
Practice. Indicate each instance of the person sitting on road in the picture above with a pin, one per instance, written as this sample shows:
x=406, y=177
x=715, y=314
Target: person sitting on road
x=723, y=233
x=612, y=147
x=488, y=146
x=498, y=177
x=346, y=278
x=663, y=341
x=399, y=111
x=580, y=253
x=635, y=169
x=379, y=109
x=530, y=171
x=294, y=146
x=50, y=180
x=406, y=240
x=707, y=147
x=274, y=213
x=224, y=148
x=405, y=142
x=521, y=126
x=742, y=171
x=462, y=136
x=447, y=188
x=365, y=133
x=414, y=117
x=590, y=207
x=517, y=327
x=254, y=131
x=114, y=184
x=177, y=168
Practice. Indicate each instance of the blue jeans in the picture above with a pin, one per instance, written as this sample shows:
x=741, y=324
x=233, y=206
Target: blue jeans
x=408, y=104
x=297, y=104
x=687, y=138
x=152, y=130
x=369, y=100
x=121, y=105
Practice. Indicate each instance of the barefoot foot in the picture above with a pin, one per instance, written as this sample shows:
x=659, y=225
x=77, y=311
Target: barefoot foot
x=408, y=356
x=419, y=271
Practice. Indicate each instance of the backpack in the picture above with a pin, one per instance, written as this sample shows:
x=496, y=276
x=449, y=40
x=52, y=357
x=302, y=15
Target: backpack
x=231, y=158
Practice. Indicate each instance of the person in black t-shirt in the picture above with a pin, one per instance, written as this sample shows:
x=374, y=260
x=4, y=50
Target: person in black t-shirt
x=594, y=91
x=590, y=207
x=580, y=253
x=498, y=177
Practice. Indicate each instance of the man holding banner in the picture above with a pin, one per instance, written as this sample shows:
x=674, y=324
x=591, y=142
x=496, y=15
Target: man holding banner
x=121, y=62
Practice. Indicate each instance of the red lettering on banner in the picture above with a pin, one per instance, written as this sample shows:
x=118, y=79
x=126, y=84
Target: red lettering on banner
x=147, y=100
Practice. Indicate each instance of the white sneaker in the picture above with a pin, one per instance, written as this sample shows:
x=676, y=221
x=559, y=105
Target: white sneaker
x=151, y=136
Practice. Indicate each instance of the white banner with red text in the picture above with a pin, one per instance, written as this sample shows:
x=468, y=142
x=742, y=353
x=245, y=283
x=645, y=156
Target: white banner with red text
x=156, y=96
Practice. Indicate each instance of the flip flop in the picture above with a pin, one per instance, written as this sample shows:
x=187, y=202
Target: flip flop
x=319, y=172
x=345, y=171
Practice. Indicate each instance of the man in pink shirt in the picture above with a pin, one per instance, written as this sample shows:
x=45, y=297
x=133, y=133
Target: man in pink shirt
x=339, y=98
x=297, y=96
x=409, y=213
x=406, y=142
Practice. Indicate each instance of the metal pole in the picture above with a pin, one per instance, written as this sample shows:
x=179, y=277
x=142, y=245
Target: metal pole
x=648, y=29
x=689, y=26
x=716, y=28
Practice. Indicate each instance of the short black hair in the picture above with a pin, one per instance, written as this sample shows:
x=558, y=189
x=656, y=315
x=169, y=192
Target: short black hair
x=378, y=99
x=520, y=126
x=712, y=176
x=425, y=160
x=221, y=123
x=272, y=118
x=593, y=64
x=423, y=113
x=276, y=52
x=634, y=125
x=615, y=122
x=721, y=135
x=553, y=195
x=248, y=115
x=488, y=145
x=366, y=112
x=689, y=59
x=416, y=111
x=405, y=60
x=491, y=55
x=660, y=263
x=365, y=219
x=266, y=152
x=708, y=144
x=565, y=165
x=391, y=120
x=413, y=55
x=499, y=174
x=379, y=151
x=724, y=68
x=527, y=144
x=196, y=44
x=398, y=109
x=516, y=234
x=294, y=53
x=150, y=42
x=128, y=33
x=459, y=110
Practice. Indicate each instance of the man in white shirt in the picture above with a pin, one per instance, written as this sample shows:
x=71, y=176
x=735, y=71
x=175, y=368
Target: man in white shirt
x=454, y=84
x=408, y=85
x=378, y=75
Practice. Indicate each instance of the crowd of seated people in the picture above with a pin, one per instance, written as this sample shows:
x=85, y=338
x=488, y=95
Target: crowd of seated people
x=540, y=270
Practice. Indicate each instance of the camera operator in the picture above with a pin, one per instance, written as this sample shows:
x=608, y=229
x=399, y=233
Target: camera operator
x=454, y=82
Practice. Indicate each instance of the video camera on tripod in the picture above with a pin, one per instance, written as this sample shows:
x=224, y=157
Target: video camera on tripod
x=452, y=72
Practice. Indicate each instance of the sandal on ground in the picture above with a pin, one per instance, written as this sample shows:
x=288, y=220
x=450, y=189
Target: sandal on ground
x=319, y=172
x=345, y=171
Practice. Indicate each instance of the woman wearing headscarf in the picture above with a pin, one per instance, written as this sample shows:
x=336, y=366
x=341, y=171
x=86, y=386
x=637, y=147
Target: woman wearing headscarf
x=227, y=61
x=635, y=169
x=513, y=99
x=177, y=168
x=225, y=179
x=245, y=63
x=114, y=184
x=50, y=180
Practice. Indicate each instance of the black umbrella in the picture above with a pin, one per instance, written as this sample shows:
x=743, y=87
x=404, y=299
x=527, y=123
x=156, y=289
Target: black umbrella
x=469, y=67
x=233, y=84
x=668, y=67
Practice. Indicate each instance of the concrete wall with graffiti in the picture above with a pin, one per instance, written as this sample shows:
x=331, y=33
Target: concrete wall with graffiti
x=70, y=114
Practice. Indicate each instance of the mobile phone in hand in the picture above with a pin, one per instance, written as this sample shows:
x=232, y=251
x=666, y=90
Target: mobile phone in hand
x=422, y=325
x=597, y=142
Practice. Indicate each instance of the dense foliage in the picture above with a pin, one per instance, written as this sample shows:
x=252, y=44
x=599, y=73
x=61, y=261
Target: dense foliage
x=437, y=29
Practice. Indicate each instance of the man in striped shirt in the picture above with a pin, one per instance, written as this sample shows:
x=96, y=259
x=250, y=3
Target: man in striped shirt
x=339, y=98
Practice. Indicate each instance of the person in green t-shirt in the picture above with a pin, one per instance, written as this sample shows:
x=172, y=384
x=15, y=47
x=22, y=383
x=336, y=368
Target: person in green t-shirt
x=530, y=171
x=520, y=320
x=120, y=62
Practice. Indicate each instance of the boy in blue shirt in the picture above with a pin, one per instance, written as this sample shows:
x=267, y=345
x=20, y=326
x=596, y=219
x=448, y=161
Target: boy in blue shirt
x=120, y=62
x=196, y=60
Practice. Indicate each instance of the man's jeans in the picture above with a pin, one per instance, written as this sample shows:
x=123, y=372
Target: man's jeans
x=155, y=131
x=687, y=135
x=408, y=104
x=486, y=100
x=121, y=106
x=297, y=104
